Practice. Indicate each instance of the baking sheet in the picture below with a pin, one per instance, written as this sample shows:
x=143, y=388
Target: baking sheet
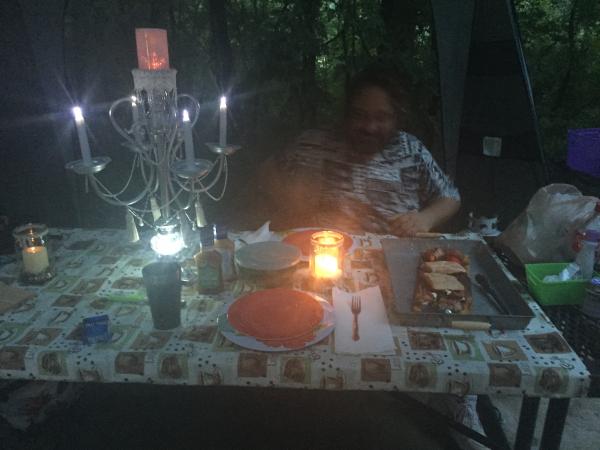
x=403, y=256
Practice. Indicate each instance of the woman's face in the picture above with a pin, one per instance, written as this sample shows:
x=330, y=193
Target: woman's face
x=371, y=120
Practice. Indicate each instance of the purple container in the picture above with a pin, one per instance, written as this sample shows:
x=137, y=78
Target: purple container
x=584, y=150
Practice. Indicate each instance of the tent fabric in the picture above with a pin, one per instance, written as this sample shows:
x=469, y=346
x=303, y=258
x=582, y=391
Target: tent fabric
x=484, y=84
x=452, y=22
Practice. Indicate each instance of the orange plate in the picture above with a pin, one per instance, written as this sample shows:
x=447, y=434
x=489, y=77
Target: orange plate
x=301, y=239
x=275, y=314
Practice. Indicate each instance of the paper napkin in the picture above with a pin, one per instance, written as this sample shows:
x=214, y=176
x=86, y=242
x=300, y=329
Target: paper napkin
x=263, y=234
x=374, y=328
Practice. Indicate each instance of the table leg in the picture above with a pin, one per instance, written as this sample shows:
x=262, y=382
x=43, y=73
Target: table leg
x=487, y=441
x=527, y=418
x=488, y=415
x=554, y=423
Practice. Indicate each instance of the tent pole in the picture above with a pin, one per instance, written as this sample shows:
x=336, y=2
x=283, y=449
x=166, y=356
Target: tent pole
x=527, y=81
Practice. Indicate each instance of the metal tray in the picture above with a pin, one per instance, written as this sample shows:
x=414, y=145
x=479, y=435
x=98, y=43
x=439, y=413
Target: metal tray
x=403, y=256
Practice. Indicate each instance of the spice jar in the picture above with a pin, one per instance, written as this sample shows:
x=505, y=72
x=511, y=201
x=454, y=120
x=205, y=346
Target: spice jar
x=30, y=243
x=209, y=263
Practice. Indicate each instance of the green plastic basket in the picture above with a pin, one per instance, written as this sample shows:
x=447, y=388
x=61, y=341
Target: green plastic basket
x=560, y=293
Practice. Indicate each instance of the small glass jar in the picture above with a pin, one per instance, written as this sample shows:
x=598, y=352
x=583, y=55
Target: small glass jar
x=30, y=243
x=326, y=254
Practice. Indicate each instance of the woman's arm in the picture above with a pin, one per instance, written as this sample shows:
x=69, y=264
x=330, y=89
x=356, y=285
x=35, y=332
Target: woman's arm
x=430, y=217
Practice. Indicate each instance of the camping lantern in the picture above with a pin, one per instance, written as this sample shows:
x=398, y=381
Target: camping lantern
x=168, y=240
x=30, y=241
x=326, y=254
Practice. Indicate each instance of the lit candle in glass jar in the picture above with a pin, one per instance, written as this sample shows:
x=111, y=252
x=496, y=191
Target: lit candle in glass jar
x=30, y=239
x=152, y=48
x=35, y=259
x=326, y=254
x=326, y=266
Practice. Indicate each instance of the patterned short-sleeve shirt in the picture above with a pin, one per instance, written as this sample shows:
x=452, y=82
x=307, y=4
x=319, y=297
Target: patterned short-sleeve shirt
x=355, y=194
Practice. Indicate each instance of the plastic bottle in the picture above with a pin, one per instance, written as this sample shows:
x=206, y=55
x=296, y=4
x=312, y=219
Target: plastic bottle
x=591, y=302
x=587, y=255
x=594, y=225
x=226, y=247
x=209, y=264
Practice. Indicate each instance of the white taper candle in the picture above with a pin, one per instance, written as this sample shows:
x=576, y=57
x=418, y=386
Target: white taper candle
x=187, y=137
x=223, y=122
x=86, y=154
x=135, y=114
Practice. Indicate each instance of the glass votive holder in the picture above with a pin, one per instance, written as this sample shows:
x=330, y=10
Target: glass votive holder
x=326, y=255
x=30, y=244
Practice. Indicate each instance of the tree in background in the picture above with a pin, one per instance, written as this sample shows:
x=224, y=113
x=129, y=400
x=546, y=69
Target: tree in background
x=562, y=46
x=285, y=63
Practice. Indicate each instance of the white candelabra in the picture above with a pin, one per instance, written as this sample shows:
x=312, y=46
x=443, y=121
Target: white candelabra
x=160, y=139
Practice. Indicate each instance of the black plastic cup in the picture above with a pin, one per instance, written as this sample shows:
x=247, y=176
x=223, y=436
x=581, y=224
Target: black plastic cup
x=163, y=288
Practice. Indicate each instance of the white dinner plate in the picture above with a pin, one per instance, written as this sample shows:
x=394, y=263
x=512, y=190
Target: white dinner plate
x=267, y=256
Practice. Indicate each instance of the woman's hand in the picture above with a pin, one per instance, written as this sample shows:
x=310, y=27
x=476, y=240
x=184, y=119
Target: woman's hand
x=433, y=216
x=411, y=223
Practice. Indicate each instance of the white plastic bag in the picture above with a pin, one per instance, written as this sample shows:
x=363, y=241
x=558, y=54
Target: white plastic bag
x=545, y=231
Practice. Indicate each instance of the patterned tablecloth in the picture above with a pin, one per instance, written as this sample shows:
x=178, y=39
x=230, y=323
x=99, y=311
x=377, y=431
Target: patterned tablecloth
x=98, y=273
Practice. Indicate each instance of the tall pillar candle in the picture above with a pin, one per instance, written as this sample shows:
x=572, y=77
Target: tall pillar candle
x=35, y=259
x=152, y=48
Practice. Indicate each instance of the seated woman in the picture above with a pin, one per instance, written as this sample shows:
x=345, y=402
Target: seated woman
x=368, y=175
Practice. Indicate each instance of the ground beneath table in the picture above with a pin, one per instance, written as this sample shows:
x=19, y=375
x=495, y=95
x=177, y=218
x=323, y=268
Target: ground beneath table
x=146, y=416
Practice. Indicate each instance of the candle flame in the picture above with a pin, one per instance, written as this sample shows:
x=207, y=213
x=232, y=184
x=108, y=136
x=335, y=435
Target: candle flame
x=326, y=266
x=327, y=241
x=78, y=114
x=186, y=115
x=33, y=250
x=167, y=244
x=223, y=104
x=157, y=62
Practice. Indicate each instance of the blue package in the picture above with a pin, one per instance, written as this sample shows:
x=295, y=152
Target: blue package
x=96, y=329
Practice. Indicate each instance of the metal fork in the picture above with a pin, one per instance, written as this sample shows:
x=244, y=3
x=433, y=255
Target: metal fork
x=355, y=308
